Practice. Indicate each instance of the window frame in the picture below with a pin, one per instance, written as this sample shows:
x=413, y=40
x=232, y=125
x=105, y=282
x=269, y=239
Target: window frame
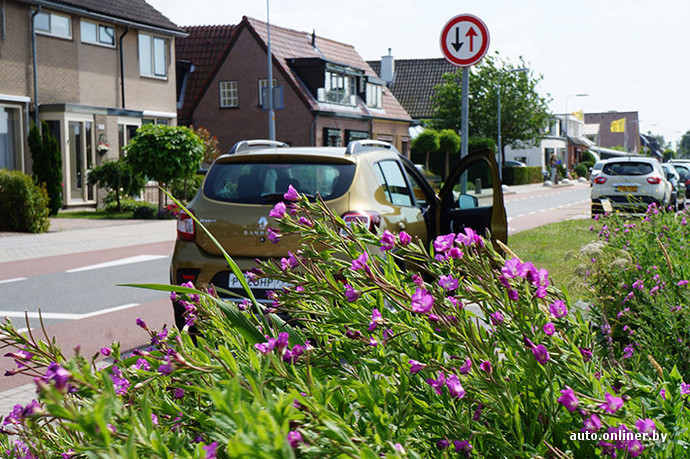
x=375, y=92
x=50, y=32
x=392, y=190
x=229, y=97
x=99, y=26
x=154, y=41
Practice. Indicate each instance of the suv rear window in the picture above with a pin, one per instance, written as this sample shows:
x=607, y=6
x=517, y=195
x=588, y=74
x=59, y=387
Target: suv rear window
x=260, y=183
x=628, y=168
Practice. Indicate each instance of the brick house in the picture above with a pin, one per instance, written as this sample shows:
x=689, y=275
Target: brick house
x=330, y=95
x=102, y=69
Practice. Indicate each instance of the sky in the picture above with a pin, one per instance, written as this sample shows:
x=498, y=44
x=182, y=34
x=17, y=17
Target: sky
x=626, y=55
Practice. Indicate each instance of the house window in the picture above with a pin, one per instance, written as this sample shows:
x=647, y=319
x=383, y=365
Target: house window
x=351, y=135
x=153, y=58
x=340, y=88
x=97, y=34
x=331, y=138
x=10, y=135
x=53, y=24
x=262, y=84
x=228, y=93
x=374, y=95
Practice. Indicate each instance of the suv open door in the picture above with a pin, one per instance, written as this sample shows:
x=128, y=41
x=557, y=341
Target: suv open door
x=472, y=197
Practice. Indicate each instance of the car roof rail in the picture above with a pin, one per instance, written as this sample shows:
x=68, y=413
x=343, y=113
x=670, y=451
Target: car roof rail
x=357, y=146
x=246, y=145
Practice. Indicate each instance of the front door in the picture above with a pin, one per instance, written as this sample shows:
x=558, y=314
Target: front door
x=81, y=161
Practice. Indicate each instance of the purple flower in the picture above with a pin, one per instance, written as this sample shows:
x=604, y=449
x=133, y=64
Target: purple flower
x=142, y=364
x=438, y=383
x=306, y=222
x=568, y=399
x=455, y=387
x=443, y=243
x=279, y=211
x=273, y=236
x=512, y=268
x=294, y=438
x=466, y=367
x=628, y=351
x=142, y=324
x=448, y=282
x=178, y=393
x=463, y=447
x=290, y=262
x=292, y=194
x=292, y=355
x=558, y=308
x=646, y=426
x=612, y=403
x=541, y=354
x=351, y=294
x=513, y=294
x=422, y=301
x=442, y=444
x=373, y=342
x=376, y=319
x=496, y=317
x=210, y=450
x=586, y=354
x=165, y=369
x=416, y=367
x=120, y=382
x=591, y=424
x=360, y=262
x=404, y=238
x=549, y=329
x=684, y=388
x=635, y=447
x=486, y=366
x=387, y=241
x=57, y=375
x=469, y=238
x=683, y=283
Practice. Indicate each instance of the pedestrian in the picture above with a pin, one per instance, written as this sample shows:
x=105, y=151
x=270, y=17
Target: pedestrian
x=553, y=163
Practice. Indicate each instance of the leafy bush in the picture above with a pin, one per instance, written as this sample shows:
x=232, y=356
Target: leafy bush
x=23, y=204
x=144, y=211
x=171, y=211
x=582, y=170
x=185, y=189
x=47, y=163
x=117, y=176
x=468, y=353
x=126, y=204
x=638, y=275
x=522, y=175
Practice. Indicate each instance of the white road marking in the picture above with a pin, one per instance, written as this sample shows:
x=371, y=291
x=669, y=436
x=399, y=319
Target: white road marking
x=123, y=261
x=16, y=279
x=65, y=316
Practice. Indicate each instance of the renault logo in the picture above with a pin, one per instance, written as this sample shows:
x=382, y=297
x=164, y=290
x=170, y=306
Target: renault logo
x=263, y=223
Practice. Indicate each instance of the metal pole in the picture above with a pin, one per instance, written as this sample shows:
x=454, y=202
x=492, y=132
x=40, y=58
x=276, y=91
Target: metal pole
x=464, y=111
x=271, y=112
x=500, y=149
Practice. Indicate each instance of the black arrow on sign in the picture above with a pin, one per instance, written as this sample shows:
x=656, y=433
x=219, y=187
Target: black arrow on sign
x=458, y=44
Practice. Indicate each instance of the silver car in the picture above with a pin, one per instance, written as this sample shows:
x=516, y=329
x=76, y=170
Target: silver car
x=630, y=184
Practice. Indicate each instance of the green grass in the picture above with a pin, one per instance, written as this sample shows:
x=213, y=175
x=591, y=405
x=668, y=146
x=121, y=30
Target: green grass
x=96, y=214
x=556, y=248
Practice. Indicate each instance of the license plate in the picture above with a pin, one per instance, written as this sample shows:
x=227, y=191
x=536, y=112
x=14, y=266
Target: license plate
x=261, y=284
x=626, y=188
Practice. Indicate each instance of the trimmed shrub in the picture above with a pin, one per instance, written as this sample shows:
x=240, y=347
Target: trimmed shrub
x=116, y=176
x=581, y=170
x=522, y=175
x=47, y=164
x=23, y=204
x=144, y=211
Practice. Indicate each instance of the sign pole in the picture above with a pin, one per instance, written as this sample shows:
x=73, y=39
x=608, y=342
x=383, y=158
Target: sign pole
x=464, y=112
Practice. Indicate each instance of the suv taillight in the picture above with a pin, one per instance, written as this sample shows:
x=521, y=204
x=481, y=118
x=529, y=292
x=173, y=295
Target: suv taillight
x=654, y=180
x=369, y=219
x=600, y=180
x=185, y=228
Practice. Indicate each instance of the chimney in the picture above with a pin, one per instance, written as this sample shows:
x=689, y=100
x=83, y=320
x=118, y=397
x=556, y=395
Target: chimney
x=388, y=68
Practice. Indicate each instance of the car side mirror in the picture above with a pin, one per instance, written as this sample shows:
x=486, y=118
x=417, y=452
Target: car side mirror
x=466, y=201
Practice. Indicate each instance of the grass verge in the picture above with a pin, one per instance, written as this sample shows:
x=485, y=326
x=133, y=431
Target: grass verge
x=556, y=248
x=96, y=214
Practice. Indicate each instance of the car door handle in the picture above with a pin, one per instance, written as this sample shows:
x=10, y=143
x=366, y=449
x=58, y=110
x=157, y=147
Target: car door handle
x=401, y=226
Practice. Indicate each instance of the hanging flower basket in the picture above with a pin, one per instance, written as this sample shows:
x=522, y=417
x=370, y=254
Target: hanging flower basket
x=102, y=148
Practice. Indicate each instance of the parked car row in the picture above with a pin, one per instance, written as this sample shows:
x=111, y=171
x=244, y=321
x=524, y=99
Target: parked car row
x=632, y=183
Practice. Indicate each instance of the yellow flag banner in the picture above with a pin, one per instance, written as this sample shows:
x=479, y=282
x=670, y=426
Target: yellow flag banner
x=618, y=125
x=579, y=115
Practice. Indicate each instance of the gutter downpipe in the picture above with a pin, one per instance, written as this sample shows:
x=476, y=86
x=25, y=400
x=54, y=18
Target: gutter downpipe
x=313, y=130
x=122, y=66
x=33, y=47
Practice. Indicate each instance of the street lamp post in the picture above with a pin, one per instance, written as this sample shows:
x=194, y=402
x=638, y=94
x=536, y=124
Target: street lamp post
x=501, y=158
x=565, y=129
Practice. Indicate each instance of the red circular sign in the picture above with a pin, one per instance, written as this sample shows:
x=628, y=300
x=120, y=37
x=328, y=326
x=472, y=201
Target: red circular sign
x=464, y=40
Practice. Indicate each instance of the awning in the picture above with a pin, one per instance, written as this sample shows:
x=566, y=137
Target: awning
x=581, y=141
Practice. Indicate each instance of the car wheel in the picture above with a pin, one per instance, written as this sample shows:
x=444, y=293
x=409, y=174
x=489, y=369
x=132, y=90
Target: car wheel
x=596, y=209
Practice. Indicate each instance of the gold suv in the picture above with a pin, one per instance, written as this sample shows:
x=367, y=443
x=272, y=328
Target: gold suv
x=368, y=182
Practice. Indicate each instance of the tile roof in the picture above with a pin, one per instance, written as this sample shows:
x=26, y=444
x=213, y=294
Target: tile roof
x=137, y=11
x=204, y=47
x=290, y=44
x=414, y=83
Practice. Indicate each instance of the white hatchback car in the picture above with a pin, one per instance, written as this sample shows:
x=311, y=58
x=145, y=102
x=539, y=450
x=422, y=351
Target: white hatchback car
x=630, y=184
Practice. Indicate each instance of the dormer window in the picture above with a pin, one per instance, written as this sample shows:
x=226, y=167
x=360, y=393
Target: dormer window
x=374, y=95
x=339, y=88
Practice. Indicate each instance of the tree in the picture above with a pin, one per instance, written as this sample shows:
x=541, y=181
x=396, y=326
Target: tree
x=164, y=153
x=524, y=112
x=449, y=143
x=116, y=176
x=684, y=146
x=211, y=150
x=47, y=164
x=427, y=143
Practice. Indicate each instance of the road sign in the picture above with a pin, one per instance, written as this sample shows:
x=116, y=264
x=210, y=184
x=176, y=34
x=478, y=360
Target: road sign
x=464, y=40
